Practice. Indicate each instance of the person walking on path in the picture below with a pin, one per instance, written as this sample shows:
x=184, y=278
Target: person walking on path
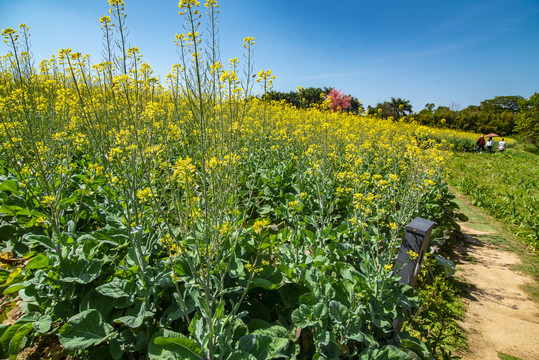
x=481, y=144
x=501, y=146
x=489, y=144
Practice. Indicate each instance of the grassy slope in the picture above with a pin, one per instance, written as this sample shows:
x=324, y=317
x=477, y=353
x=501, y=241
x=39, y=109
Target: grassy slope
x=503, y=185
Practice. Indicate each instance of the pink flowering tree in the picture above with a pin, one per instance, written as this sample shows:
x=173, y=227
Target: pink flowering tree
x=338, y=101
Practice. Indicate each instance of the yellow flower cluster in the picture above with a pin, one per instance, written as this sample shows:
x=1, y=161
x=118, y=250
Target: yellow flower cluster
x=260, y=225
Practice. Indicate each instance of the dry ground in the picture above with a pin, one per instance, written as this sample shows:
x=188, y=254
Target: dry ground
x=501, y=317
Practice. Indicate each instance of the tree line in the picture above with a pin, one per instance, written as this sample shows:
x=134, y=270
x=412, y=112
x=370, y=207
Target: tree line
x=503, y=115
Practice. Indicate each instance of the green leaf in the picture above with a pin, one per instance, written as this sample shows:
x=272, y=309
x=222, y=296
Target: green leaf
x=3, y=329
x=354, y=329
x=83, y=330
x=417, y=346
x=263, y=283
x=13, y=275
x=117, y=288
x=16, y=287
x=116, y=349
x=240, y=355
x=43, y=324
x=7, y=232
x=135, y=321
x=338, y=312
x=97, y=301
x=174, y=348
x=391, y=352
x=41, y=261
x=17, y=340
x=265, y=343
x=82, y=272
x=8, y=334
x=320, y=311
x=236, y=268
x=387, y=352
x=302, y=317
x=449, y=266
x=9, y=185
x=41, y=240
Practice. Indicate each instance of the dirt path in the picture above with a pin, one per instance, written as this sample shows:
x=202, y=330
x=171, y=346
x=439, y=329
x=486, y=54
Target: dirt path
x=501, y=317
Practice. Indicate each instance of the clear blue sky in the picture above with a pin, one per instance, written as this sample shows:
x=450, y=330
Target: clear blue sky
x=451, y=53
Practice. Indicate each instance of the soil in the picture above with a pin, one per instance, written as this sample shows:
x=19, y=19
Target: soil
x=501, y=317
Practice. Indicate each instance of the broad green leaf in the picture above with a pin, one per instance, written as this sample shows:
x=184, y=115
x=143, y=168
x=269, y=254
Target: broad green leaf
x=338, y=312
x=116, y=349
x=16, y=287
x=240, y=355
x=7, y=232
x=3, y=328
x=391, y=352
x=43, y=324
x=97, y=301
x=136, y=320
x=354, y=329
x=449, y=266
x=9, y=210
x=387, y=352
x=303, y=316
x=417, y=346
x=265, y=343
x=41, y=240
x=320, y=311
x=17, y=340
x=186, y=347
x=41, y=261
x=8, y=334
x=167, y=345
x=84, y=330
x=9, y=185
x=109, y=234
x=82, y=272
x=117, y=288
x=322, y=336
x=236, y=268
x=13, y=275
x=263, y=283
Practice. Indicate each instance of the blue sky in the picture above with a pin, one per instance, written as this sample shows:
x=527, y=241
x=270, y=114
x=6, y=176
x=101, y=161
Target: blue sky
x=451, y=53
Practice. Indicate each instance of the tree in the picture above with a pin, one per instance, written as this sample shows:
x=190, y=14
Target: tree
x=429, y=106
x=338, y=101
x=395, y=108
x=401, y=106
x=527, y=122
x=501, y=104
x=304, y=98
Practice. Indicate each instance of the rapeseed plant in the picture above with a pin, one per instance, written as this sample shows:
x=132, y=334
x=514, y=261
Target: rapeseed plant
x=236, y=191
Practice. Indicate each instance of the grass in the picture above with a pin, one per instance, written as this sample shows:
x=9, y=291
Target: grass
x=504, y=186
x=507, y=357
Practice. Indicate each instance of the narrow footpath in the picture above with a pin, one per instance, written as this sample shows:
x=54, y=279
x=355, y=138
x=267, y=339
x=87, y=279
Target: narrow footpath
x=501, y=318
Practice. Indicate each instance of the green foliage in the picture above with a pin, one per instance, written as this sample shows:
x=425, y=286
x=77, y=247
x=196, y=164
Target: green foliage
x=528, y=119
x=198, y=222
x=501, y=104
x=505, y=185
x=396, y=108
x=304, y=98
x=436, y=321
x=496, y=115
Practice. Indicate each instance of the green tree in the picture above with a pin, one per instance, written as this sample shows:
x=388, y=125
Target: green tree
x=429, y=106
x=402, y=107
x=395, y=108
x=502, y=104
x=527, y=123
